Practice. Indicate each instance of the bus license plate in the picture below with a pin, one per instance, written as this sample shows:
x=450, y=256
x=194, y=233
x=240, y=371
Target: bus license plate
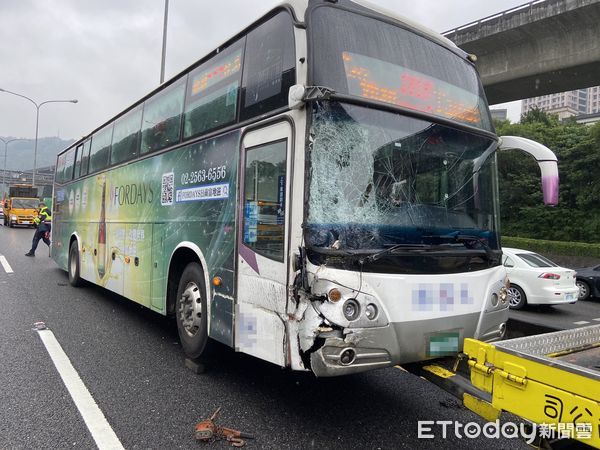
x=443, y=344
x=26, y=222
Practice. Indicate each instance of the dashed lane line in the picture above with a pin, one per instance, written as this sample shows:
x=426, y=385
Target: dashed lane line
x=581, y=322
x=5, y=264
x=100, y=429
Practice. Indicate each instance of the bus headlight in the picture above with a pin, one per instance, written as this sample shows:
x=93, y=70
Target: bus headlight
x=351, y=309
x=503, y=294
x=371, y=311
x=494, y=299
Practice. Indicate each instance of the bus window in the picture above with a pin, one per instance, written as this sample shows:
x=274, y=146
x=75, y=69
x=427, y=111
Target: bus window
x=85, y=159
x=78, y=161
x=100, y=150
x=161, y=123
x=126, y=137
x=212, y=92
x=264, y=205
x=60, y=168
x=69, y=164
x=269, y=66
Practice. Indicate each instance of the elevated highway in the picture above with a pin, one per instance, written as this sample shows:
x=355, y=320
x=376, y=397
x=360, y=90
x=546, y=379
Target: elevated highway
x=539, y=48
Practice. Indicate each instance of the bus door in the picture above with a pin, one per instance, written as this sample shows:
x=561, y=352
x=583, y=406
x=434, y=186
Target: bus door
x=262, y=242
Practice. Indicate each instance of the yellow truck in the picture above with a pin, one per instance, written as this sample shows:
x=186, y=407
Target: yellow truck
x=20, y=211
x=20, y=208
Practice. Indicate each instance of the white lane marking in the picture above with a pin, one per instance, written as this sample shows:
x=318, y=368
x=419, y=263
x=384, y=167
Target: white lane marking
x=99, y=427
x=597, y=320
x=5, y=264
x=582, y=322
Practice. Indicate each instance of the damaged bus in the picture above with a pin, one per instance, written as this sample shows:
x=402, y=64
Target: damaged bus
x=320, y=192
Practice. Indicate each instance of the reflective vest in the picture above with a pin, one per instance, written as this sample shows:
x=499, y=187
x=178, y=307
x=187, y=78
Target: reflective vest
x=43, y=215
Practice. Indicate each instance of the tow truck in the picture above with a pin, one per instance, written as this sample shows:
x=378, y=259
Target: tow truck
x=550, y=379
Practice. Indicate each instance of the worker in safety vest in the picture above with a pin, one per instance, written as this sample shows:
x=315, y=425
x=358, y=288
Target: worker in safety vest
x=43, y=222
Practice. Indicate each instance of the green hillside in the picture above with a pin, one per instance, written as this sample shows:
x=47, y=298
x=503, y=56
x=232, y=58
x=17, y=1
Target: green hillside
x=19, y=155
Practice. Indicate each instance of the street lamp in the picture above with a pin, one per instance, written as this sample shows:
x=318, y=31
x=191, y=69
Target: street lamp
x=164, y=43
x=5, y=149
x=37, y=122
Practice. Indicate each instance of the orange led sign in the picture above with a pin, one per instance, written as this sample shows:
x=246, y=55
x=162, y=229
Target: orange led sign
x=214, y=74
x=390, y=83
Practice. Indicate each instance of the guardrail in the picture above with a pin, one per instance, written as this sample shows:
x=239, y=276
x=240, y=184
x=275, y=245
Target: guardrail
x=500, y=15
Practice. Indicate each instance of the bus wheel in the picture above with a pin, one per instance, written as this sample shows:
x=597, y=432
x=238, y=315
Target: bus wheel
x=74, y=274
x=191, y=311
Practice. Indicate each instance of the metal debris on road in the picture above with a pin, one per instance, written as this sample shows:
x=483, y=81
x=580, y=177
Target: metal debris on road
x=208, y=431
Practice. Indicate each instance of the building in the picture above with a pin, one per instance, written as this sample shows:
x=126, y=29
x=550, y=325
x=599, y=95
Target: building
x=566, y=104
x=588, y=119
x=593, y=100
x=563, y=104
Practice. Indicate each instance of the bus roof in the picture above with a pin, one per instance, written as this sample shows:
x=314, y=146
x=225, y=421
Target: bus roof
x=427, y=32
x=298, y=8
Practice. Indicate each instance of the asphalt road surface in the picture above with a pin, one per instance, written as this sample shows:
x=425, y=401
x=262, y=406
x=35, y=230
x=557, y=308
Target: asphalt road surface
x=561, y=317
x=131, y=364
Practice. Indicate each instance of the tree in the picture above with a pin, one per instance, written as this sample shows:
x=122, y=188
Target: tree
x=577, y=216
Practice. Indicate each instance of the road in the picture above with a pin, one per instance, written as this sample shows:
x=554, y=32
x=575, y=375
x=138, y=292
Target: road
x=561, y=317
x=131, y=363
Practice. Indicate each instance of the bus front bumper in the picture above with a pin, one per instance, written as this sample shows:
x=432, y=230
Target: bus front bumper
x=364, y=349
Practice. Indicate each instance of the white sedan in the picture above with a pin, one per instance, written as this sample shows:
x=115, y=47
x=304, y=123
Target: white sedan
x=537, y=280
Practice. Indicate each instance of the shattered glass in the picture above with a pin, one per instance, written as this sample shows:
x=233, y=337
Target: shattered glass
x=379, y=179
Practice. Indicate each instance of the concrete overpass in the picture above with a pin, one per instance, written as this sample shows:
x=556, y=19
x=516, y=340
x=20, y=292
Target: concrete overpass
x=539, y=48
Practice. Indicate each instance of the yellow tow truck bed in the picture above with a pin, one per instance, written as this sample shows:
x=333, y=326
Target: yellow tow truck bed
x=551, y=379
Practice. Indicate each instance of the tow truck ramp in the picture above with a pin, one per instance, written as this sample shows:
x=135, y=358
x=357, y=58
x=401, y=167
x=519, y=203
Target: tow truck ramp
x=552, y=380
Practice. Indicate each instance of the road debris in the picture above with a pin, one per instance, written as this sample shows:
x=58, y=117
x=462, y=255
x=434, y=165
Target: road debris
x=39, y=326
x=208, y=431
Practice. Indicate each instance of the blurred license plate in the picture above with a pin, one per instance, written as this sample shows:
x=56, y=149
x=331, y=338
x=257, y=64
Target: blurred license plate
x=26, y=222
x=443, y=344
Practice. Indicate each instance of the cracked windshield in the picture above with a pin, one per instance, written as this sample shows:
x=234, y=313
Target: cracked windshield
x=379, y=179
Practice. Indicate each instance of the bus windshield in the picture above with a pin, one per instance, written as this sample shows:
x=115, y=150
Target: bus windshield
x=375, y=60
x=379, y=179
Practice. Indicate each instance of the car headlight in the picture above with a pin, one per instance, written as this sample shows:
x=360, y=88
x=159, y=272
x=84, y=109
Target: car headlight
x=13, y=217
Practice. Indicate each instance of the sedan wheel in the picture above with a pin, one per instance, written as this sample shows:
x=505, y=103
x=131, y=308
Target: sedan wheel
x=584, y=290
x=516, y=297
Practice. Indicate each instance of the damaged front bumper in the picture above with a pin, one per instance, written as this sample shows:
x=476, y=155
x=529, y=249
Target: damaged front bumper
x=364, y=349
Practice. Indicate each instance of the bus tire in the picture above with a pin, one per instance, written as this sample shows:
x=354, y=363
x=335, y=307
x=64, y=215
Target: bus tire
x=191, y=312
x=74, y=265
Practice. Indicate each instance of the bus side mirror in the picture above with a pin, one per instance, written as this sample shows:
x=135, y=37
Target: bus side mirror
x=546, y=160
x=296, y=96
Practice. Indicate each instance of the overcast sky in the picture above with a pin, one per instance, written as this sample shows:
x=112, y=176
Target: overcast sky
x=106, y=53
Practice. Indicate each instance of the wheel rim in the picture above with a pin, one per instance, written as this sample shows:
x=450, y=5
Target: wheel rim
x=514, y=296
x=190, y=309
x=583, y=290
